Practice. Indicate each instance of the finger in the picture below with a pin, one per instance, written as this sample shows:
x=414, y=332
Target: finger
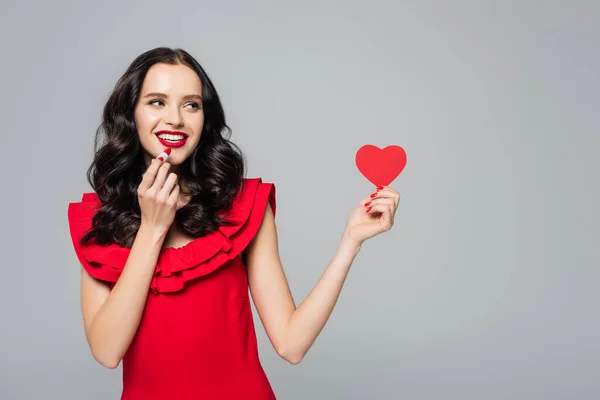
x=150, y=174
x=161, y=176
x=174, y=196
x=387, y=218
x=383, y=200
x=373, y=195
x=366, y=200
x=182, y=199
x=382, y=187
x=388, y=193
x=165, y=192
x=377, y=208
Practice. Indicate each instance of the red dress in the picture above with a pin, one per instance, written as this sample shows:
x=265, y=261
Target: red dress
x=196, y=338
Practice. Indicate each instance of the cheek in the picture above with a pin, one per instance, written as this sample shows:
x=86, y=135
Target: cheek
x=196, y=123
x=145, y=120
x=145, y=124
x=201, y=123
x=149, y=120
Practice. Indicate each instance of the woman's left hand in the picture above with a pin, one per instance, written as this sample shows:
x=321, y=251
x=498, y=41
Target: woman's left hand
x=373, y=215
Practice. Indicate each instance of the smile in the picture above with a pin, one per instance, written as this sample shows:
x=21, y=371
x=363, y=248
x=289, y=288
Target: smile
x=171, y=139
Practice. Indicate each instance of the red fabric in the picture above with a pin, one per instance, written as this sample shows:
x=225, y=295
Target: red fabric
x=196, y=338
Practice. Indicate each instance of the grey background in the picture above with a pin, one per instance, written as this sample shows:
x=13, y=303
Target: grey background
x=486, y=286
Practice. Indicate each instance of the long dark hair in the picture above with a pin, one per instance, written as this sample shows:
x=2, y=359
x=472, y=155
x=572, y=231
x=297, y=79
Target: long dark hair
x=213, y=173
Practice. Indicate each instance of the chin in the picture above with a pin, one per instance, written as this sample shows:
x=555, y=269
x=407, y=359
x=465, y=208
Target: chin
x=177, y=156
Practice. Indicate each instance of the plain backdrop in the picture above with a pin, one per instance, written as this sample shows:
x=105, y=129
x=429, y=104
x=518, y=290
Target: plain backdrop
x=485, y=288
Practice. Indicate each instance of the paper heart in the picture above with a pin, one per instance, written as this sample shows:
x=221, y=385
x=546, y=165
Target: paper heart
x=380, y=166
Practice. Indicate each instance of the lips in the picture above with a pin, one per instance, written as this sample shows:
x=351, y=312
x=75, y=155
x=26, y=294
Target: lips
x=170, y=143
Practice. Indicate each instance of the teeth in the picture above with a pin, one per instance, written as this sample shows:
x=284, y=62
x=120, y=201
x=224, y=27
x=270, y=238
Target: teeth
x=171, y=137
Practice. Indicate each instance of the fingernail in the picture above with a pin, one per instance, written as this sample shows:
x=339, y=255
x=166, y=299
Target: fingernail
x=369, y=209
x=367, y=203
x=373, y=195
x=379, y=187
x=160, y=158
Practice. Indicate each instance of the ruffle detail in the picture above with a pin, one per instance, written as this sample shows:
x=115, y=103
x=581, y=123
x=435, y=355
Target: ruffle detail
x=176, y=266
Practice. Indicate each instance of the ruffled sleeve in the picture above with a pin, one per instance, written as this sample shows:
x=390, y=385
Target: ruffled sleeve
x=176, y=266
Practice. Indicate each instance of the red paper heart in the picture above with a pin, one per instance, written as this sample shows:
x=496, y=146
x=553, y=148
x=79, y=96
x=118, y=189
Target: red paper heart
x=379, y=166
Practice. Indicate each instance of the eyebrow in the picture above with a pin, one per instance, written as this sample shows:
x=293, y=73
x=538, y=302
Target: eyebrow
x=163, y=95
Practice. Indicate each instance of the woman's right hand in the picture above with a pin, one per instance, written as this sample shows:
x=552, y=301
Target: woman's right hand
x=158, y=195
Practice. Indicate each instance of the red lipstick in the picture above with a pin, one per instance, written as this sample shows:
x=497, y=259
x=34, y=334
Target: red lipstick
x=172, y=143
x=164, y=155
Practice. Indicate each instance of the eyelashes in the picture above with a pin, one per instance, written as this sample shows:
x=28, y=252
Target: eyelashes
x=196, y=105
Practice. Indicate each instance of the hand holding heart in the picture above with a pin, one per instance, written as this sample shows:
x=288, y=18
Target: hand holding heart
x=375, y=214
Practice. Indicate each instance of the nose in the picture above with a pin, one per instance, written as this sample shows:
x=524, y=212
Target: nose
x=173, y=117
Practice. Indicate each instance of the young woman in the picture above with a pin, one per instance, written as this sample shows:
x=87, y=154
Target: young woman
x=170, y=248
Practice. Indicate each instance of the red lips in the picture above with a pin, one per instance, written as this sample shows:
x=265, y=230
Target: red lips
x=169, y=143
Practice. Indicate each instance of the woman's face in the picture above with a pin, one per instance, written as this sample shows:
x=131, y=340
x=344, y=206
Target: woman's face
x=170, y=100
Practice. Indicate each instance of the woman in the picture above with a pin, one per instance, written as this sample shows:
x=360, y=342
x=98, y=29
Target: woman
x=169, y=248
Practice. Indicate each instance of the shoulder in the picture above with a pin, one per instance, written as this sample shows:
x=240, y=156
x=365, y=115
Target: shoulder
x=256, y=194
x=89, y=201
x=81, y=212
x=256, y=183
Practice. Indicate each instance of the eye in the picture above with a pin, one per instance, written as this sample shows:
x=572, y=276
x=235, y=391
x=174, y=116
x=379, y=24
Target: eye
x=155, y=101
x=193, y=104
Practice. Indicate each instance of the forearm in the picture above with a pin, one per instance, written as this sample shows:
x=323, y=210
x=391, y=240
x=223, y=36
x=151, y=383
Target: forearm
x=117, y=321
x=307, y=321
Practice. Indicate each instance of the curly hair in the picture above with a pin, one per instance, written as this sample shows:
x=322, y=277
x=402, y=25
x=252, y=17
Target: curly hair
x=213, y=173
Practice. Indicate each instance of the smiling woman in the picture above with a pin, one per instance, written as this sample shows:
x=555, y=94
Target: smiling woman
x=170, y=249
x=138, y=250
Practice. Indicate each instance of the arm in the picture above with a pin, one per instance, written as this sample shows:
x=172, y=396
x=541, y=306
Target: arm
x=111, y=318
x=291, y=330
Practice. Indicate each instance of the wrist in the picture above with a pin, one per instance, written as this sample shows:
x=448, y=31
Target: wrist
x=350, y=243
x=154, y=233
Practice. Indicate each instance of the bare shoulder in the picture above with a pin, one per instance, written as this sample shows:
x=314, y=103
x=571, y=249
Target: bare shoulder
x=265, y=240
